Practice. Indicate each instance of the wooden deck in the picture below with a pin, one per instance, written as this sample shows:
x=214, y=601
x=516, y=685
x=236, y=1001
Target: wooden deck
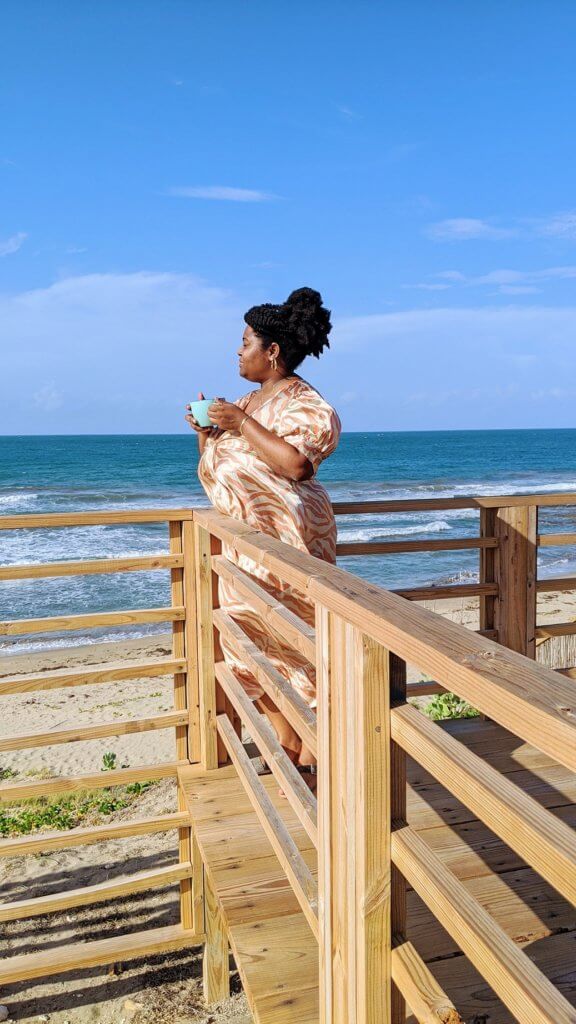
x=275, y=951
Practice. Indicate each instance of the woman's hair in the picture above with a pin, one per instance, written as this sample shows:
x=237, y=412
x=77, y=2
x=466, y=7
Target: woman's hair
x=300, y=326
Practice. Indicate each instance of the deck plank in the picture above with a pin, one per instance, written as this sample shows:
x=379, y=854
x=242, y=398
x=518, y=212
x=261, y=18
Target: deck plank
x=275, y=951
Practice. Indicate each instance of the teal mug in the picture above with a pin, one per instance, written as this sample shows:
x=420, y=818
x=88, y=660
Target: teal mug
x=199, y=411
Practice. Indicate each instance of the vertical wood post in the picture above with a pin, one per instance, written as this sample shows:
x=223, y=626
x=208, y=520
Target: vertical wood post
x=216, y=977
x=188, y=911
x=487, y=567
x=206, y=648
x=398, y=781
x=356, y=802
x=516, y=528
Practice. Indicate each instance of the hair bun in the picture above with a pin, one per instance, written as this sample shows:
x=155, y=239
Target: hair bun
x=304, y=298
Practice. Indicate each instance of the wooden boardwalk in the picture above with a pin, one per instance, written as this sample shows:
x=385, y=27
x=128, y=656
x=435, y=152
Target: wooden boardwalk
x=275, y=951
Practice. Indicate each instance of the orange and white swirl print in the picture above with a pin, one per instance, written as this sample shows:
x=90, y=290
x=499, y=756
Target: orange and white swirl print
x=240, y=484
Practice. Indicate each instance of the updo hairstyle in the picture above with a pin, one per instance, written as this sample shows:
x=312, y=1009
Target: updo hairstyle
x=300, y=326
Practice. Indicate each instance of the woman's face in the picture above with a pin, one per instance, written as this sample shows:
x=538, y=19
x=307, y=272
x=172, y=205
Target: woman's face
x=254, y=358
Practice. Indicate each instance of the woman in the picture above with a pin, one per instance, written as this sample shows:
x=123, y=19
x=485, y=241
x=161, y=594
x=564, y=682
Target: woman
x=258, y=464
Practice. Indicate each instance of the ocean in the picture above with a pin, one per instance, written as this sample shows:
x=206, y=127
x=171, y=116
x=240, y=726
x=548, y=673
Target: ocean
x=77, y=473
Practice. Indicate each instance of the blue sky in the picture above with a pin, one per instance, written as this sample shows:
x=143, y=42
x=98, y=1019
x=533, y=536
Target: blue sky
x=165, y=165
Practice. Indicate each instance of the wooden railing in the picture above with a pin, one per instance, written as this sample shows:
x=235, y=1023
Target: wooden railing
x=183, y=718
x=361, y=734
x=364, y=729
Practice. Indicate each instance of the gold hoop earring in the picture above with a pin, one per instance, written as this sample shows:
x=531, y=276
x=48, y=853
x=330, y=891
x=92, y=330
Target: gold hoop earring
x=274, y=363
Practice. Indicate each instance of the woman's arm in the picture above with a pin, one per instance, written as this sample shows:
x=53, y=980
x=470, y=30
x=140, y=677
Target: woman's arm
x=281, y=456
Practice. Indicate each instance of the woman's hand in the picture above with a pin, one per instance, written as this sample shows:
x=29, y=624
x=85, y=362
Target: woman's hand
x=225, y=415
x=192, y=422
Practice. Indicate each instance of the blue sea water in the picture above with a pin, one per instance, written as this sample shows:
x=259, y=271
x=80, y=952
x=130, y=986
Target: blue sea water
x=62, y=474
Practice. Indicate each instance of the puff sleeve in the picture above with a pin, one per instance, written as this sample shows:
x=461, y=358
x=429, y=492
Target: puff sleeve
x=311, y=426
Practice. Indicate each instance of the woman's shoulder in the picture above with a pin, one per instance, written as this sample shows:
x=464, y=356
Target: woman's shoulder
x=302, y=389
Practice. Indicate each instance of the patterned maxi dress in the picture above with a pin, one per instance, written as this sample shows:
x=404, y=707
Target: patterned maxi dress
x=240, y=484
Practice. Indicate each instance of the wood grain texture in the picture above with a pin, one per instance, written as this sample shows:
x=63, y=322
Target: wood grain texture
x=354, y=822
x=297, y=871
x=297, y=633
x=428, y=1002
x=45, y=842
x=90, y=894
x=107, y=673
x=529, y=995
x=206, y=658
x=215, y=964
x=298, y=794
x=543, y=841
x=399, y=547
x=53, y=520
x=286, y=698
x=16, y=627
x=515, y=609
x=89, y=567
x=76, y=734
x=82, y=955
x=16, y=791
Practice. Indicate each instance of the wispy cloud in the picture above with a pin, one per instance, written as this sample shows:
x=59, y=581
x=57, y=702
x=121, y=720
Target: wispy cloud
x=48, y=398
x=222, y=193
x=12, y=244
x=508, y=281
x=562, y=225
x=427, y=287
x=460, y=229
x=348, y=112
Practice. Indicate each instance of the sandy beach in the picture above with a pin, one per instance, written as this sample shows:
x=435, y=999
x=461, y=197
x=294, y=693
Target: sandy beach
x=165, y=988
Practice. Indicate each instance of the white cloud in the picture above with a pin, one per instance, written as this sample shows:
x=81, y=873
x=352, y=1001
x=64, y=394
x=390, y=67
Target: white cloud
x=127, y=350
x=347, y=112
x=460, y=229
x=12, y=244
x=517, y=289
x=48, y=398
x=222, y=193
x=510, y=282
x=562, y=225
x=438, y=368
x=424, y=286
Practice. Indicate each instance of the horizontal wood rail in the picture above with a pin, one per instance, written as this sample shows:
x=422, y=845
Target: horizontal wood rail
x=17, y=627
x=82, y=955
x=554, y=540
x=527, y=993
x=291, y=860
x=80, y=676
x=556, y=629
x=91, y=567
x=89, y=894
x=556, y=585
x=297, y=633
x=542, y=840
x=446, y=593
x=344, y=508
x=76, y=734
x=11, y=792
x=46, y=842
x=428, y=1002
x=52, y=520
x=395, y=547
